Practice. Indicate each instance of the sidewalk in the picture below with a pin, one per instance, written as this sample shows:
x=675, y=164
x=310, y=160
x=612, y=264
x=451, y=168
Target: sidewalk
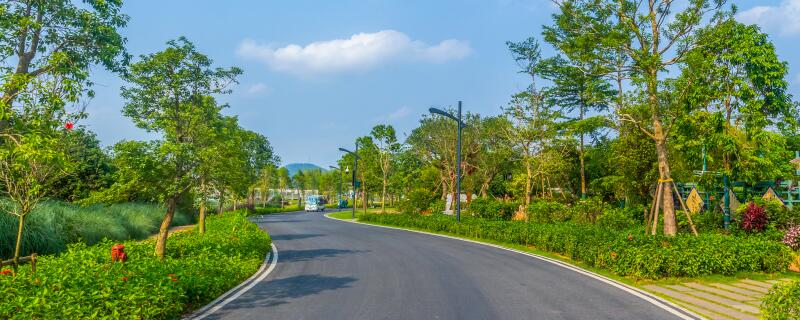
x=725, y=301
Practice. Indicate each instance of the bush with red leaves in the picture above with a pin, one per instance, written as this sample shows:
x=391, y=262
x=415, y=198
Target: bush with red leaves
x=754, y=218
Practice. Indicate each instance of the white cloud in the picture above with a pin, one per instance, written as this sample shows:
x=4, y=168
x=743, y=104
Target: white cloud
x=785, y=17
x=361, y=52
x=258, y=88
x=398, y=114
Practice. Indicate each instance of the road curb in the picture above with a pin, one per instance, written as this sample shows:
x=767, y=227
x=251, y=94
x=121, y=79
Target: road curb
x=639, y=293
x=266, y=268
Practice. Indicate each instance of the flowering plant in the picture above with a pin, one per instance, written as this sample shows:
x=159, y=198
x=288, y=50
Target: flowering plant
x=792, y=237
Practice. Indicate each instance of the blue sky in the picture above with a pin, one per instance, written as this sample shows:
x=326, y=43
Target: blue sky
x=317, y=74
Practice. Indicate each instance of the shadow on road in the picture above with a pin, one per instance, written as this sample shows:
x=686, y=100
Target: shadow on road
x=280, y=291
x=295, y=236
x=306, y=255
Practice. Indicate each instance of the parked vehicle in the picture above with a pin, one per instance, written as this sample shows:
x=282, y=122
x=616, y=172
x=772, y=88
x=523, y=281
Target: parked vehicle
x=315, y=203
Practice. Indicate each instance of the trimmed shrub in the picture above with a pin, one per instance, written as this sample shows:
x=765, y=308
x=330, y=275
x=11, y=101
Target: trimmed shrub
x=83, y=282
x=621, y=218
x=587, y=210
x=489, y=208
x=626, y=253
x=543, y=211
x=782, y=302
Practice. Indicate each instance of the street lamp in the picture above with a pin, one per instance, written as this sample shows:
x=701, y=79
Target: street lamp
x=355, y=168
x=340, y=183
x=461, y=125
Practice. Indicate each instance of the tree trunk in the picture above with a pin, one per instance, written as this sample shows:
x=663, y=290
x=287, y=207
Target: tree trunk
x=583, y=169
x=383, y=197
x=163, y=232
x=364, y=199
x=201, y=223
x=221, y=201
x=18, y=245
x=667, y=201
x=528, y=182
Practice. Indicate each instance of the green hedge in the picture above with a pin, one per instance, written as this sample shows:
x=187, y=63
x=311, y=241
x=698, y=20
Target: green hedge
x=82, y=282
x=782, y=302
x=626, y=253
x=53, y=225
x=270, y=210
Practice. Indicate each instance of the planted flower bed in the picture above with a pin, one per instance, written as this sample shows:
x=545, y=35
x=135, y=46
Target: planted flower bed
x=83, y=282
x=626, y=253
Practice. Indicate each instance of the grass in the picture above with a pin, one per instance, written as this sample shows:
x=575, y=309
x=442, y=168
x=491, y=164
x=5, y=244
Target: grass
x=633, y=281
x=53, y=225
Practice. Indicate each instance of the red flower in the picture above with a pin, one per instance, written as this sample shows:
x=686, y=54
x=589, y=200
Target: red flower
x=69, y=125
x=630, y=237
x=613, y=255
x=174, y=279
x=124, y=279
x=6, y=271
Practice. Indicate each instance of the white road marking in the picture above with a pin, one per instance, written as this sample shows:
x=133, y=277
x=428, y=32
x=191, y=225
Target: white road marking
x=668, y=306
x=245, y=286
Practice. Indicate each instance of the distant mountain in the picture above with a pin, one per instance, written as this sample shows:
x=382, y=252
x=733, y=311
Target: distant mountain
x=294, y=167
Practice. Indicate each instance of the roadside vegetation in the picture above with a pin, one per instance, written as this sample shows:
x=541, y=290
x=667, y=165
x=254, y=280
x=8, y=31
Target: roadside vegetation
x=597, y=158
x=70, y=201
x=54, y=225
x=83, y=282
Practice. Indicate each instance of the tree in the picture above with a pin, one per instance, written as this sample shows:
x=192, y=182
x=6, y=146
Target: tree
x=533, y=121
x=642, y=40
x=496, y=155
x=284, y=181
x=168, y=94
x=577, y=88
x=299, y=179
x=31, y=159
x=737, y=89
x=268, y=175
x=93, y=169
x=387, y=147
x=434, y=142
x=56, y=38
x=46, y=50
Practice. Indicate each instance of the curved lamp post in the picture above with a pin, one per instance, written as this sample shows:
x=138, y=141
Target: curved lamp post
x=355, y=168
x=461, y=125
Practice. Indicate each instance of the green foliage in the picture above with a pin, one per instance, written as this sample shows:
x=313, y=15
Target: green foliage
x=198, y=269
x=92, y=167
x=782, y=302
x=54, y=225
x=490, y=208
x=271, y=210
x=626, y=253
x=543, y=211
x=621, y=218
x=417, y=200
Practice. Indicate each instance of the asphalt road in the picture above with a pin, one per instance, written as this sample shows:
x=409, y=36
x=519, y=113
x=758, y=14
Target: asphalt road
x=330, y=269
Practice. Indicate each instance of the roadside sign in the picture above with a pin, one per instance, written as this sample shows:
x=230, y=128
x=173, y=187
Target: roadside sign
x=770, y=195
x=694, y=202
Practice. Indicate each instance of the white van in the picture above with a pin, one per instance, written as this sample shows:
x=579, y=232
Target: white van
x=315, y=203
